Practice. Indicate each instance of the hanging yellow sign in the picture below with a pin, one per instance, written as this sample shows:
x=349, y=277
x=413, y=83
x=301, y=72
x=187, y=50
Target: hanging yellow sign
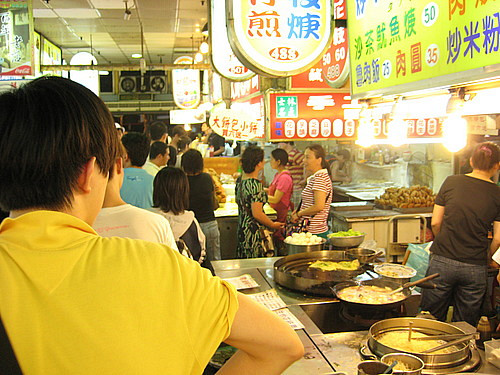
x=399, y=46
x=279, y=37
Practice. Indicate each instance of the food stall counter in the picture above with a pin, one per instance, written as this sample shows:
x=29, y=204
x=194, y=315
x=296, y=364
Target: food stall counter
x=325, y=352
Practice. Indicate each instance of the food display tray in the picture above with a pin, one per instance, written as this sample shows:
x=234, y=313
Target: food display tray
x=413, y=210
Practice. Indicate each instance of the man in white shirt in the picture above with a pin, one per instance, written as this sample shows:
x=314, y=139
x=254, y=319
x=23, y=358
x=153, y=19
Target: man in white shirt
x=158, y=157
x=119, y=219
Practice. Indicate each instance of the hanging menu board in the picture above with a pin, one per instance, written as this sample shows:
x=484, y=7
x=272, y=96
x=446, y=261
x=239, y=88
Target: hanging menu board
x=276, y=37
x=400, y=46
x=309, y=116
x=16, y=38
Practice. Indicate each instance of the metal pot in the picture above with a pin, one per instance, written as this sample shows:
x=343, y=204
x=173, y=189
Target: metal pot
x=363, y=255
x=405, y=272
x=415, y=363
x=370, y=307
x=347, y=241
x=293, y=272
x=432, y=327
x=297, y=249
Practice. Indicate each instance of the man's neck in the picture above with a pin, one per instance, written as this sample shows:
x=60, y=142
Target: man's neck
x=156, y=162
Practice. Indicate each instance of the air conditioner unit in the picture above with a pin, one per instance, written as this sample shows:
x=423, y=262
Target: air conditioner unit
x=158, y=83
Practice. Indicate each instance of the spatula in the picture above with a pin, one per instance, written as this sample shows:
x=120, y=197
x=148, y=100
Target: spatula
x=407, y=285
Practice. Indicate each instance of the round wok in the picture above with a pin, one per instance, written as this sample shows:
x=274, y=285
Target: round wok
x=355, y=306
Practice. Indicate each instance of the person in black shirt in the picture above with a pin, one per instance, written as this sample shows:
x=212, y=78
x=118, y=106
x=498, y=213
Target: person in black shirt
x=465, y=208
x=202, y=200
x=214, y=140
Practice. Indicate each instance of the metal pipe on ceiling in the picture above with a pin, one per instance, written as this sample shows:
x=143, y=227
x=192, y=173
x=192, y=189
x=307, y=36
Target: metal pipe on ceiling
x=118, y=67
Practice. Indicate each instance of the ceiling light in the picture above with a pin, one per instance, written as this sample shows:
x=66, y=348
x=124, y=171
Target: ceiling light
x=204, y=47
x=136, y=55
x=198, y=57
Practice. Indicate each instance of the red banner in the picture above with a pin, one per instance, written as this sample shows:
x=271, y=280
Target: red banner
x=309, y=116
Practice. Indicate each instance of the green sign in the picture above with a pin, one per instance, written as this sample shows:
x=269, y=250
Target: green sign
x=400, y=46
x=287, y=107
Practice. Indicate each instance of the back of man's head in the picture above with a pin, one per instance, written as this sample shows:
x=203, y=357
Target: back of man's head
x=178, y=131
x=137, y=146
x=157, y=148
x=157, y=130
x=49, y=129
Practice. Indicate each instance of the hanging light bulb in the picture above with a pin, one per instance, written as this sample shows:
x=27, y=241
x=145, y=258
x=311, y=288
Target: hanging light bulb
x=198, y=57
x=204, y=47
x=397, y=132
x=454, y=132
x=455, y=126
x=365, y=133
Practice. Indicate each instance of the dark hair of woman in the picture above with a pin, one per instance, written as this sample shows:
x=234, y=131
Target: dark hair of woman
x=171, y=190
x=173, y=156
x=280, y=155
x=319, y=152
x=192, y=162
x=345, y=154
x=485, y=156
x=252, y=156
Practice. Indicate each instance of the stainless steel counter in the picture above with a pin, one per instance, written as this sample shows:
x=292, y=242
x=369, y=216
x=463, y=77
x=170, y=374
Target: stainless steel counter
x=334, y=353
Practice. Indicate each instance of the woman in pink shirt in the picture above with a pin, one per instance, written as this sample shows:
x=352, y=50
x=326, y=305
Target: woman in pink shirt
x=280, y=190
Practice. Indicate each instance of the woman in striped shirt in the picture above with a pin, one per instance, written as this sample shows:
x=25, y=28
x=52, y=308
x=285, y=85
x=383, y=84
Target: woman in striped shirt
x=317, y=195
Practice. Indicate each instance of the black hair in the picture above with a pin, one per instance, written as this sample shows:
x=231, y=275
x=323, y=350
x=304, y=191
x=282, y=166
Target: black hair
x=183, y=142
x=319, y=152
x=173, y=156
x=345, y=154
x=157, y=148
x=485, y=156
x=49, y=129
x=137, y=146
x=171, y=190
x=157, y=130
x=178, y=130
x=280, y=155
x=192, y=162
x=252, y=156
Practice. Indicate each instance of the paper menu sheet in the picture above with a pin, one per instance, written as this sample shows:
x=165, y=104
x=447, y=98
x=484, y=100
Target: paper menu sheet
x=268, y=299
x=243, y=282
x=288, y=317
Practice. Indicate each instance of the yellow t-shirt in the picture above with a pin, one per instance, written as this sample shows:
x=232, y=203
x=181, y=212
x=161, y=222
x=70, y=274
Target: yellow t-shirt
x=75, y=303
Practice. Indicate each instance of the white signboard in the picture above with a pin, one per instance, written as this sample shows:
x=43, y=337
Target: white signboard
x=279, y=37
x=186, y=85
x=224, y=60
x=187, y=116
x=235, y=124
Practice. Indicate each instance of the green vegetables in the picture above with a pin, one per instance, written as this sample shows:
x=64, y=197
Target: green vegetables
x=348, y=233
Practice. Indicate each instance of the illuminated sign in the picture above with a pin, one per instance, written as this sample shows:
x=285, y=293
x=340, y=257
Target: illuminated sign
x=246, y=88
x=224, y=60
x=186, y=85
x=331, y=71
x=236, y=124
x=309, y=116
x=279, y=37
x=16, y=41
x=400, y=46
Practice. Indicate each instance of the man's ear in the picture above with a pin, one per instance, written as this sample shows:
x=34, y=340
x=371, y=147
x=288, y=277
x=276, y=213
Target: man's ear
x=86, y=175
x=119, y=165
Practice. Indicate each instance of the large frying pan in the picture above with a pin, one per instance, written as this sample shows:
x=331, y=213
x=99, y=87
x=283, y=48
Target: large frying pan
x=383, y=283
x=293, y=272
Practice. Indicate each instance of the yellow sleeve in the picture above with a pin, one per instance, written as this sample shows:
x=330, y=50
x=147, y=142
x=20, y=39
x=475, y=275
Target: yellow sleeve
x=210, y=306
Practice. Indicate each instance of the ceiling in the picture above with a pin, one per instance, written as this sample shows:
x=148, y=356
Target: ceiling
x=171, y=28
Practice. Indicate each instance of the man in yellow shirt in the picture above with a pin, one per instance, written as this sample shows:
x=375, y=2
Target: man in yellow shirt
x=76, y=303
